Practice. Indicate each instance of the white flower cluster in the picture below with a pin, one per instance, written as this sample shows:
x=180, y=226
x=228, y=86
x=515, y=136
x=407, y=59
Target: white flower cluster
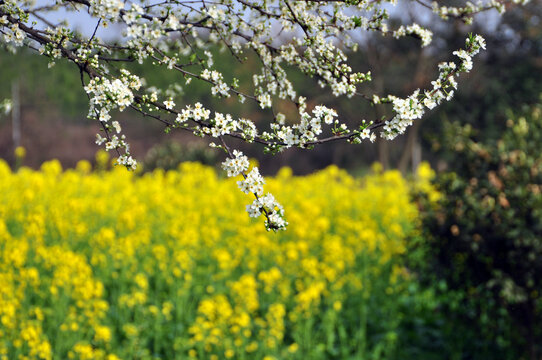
x=253, y=182
x=363, y=133
x=237, y=164
x=446, y=11
x=466, y=12
x=326, y=61
x=106, y=9
x=114, y=143
x=145, y=32
x=127, y=161
x=412, y=108
x=106, y=95
x=414, y=29
x=308, y=128
x=367, y=134
x=265, y=100
x=474, y=45
x=323, y=113
x=271, y=208
x=406, y=111
x=169, y=104
x=198, y=113
x=216, y=78
x=466, y=63
x=14, y=35
x=220, y=124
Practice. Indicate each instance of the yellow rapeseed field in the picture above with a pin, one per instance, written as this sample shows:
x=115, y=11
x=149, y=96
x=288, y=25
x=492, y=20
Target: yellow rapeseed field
x=168, y=265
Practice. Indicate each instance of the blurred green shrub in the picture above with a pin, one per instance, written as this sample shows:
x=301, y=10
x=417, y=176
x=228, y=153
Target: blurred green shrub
x=170, y=154
x=484, y=240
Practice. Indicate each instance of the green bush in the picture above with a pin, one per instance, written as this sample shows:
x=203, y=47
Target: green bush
x=484, y=241
x=170, y=154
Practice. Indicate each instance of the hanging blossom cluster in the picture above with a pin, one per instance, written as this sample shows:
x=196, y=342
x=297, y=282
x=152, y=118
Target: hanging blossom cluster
x=424, y=34
x=465, y=12
x=253, y=183
x=105, y=96
x=413, y=107
x=285, y=38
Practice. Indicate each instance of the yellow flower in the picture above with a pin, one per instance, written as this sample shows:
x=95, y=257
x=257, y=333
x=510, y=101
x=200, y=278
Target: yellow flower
x=102, y=333
x=88, y=245
x=229, y=353
x=20, y=152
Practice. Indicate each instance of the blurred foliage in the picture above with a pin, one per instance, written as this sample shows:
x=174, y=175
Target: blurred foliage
x=58, y=88
x=484, y=242
x=169, y=155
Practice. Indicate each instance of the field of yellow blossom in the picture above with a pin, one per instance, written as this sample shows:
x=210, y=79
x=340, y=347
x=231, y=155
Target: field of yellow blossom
x=99, y=264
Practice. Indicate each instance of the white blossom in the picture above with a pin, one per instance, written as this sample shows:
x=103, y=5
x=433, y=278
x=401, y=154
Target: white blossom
x=253, y=182
x=236, y=165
